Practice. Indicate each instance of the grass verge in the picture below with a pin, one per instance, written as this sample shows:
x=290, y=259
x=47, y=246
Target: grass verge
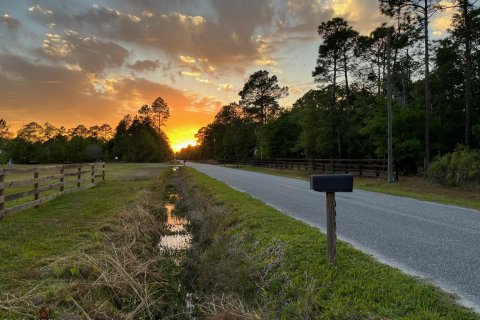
x=91, y=254
x=252, y=262
x=410, y=187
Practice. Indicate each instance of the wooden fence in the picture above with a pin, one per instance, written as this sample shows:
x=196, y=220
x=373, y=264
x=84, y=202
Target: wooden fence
x=18, y=184
x=359, y=167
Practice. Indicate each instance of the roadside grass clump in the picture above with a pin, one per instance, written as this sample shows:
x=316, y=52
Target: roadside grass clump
x=121, y=276
x=459, y=168
x=282, y=264
x=221, y=275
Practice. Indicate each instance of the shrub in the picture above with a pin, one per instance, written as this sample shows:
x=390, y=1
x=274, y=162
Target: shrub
x=459, y=168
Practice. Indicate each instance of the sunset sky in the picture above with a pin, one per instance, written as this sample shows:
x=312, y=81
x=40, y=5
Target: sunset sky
x=91, y=62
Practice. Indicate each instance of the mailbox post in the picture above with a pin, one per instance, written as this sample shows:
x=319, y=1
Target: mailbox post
x=331, y=184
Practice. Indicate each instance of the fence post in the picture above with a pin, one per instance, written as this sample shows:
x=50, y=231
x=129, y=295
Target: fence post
x=62, y=178
x=35, y=185
x=93, y=173
x=103, y=171
x=2, y=188
x=396, y=171
x=79, y=175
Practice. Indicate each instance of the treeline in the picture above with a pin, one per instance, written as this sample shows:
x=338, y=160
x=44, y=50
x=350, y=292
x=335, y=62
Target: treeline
x=135, y=139
x=435, y=104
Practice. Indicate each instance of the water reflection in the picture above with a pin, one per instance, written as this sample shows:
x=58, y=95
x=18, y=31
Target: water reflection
x=175, y=223
x=178, y=239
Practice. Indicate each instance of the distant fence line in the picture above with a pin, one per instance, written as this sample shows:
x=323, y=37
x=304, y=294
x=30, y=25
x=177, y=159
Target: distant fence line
x=53, y=180
x=359, y=167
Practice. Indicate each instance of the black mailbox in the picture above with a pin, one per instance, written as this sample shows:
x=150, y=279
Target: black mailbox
x=332, y=183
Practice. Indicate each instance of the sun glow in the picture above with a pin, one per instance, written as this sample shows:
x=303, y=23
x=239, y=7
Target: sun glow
x=183, y=144
x=181, y=136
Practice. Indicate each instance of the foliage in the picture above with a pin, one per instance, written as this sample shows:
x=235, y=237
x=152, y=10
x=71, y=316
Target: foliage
x=281, y=135
x=335, y=54
x=232, y=135
x=458, y=168
x=259, y=96
x=137, y=140
x=161, y=111
x=434, y=109
x=407, y=134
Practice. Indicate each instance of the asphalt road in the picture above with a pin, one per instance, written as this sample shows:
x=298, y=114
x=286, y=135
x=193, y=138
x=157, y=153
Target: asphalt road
x=439, y=243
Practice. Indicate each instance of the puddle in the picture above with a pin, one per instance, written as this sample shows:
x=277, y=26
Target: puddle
x=179, y=238
x=174, y=223
x=176, y=242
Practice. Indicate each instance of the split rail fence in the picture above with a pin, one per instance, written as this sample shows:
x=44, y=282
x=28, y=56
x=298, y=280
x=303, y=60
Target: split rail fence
x=21, y=187
x=374, y=168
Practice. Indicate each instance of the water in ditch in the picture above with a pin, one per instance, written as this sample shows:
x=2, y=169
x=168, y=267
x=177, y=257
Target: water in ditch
x=177, y=239
x=176, y=242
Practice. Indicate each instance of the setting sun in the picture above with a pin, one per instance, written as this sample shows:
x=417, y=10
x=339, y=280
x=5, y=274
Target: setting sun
x=183, y=144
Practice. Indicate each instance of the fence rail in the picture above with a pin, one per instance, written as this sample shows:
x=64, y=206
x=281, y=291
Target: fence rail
x=360, y=167
x=51, y=181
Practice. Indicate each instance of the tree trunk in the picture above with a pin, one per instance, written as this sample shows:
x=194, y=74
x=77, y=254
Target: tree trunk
x=379, y=89
x=428, y=102
x=468, y=71
x=383, y=71
x=406, y=79
x=345, y=71
x=339, y=145
x=335, y=79
x=159, y=121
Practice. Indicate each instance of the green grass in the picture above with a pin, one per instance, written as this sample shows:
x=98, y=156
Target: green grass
x=31, y=238
x=297, y=283
x=410, y=187
x=115, y=172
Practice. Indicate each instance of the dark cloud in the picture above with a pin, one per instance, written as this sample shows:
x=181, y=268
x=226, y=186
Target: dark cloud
x=243, y=17
x=10, y=22
x=138, y=7
x=302, y=16
x=59, y=12
x=174, y=33
x=222, y=33
x=89, y=53
x=144, y=65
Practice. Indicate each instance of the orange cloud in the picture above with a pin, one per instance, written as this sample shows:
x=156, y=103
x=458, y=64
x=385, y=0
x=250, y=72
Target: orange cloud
x=66, y=97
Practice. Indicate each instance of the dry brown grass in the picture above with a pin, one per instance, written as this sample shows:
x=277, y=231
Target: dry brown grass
x=423, y=189
x=223, y=307
x=222, y=275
